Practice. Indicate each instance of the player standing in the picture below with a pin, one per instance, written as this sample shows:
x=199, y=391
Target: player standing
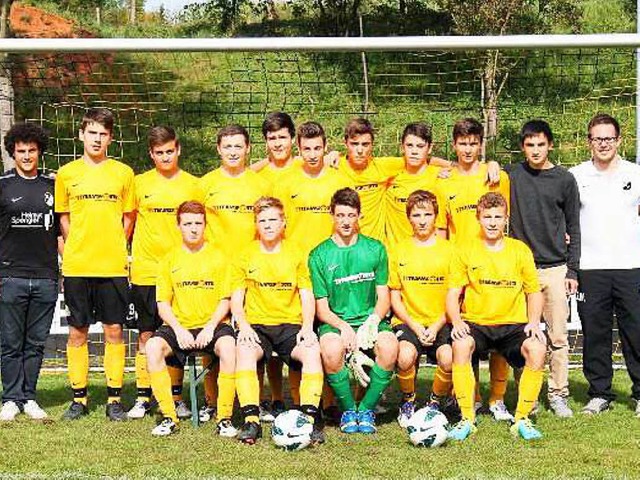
x=158, y=193
x=350, y=273
x=501, y=310
x=545, y=208
x=419, y=266
x=94, y=196
x=193, y=302
x=273, y=305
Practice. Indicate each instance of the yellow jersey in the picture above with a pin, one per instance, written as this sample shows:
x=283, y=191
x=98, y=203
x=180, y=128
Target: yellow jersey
x=495, y=282
x=306, y=201
x=273, y=175
x=193, y=283
x=403, y=185
x=157, y=199
x=420, y=273
x=229, y=201
x=458, y=197
x=272, y=283
x=371, y=184
x=95, y=197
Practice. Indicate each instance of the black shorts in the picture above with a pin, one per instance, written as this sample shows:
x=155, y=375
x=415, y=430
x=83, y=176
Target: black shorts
x=507, y=340
x=143, y=298
x=179, y=356
x=96, y=299
x=405, y=334
x=280, y=339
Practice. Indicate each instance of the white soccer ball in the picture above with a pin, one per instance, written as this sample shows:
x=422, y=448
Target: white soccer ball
x=427, y=427
x=291, y=430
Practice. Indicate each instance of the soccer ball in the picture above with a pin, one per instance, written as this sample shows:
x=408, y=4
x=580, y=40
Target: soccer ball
x=427, y=427
x=291, y=430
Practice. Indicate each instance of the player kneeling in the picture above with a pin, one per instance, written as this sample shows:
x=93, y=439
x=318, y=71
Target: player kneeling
x=273, y=306
x=193, y=301
x=350, y=273
x=419, y=266
x=502, y=308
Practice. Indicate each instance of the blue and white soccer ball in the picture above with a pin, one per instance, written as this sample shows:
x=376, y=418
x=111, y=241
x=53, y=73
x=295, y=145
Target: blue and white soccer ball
x=427, y=427
x=291, y=430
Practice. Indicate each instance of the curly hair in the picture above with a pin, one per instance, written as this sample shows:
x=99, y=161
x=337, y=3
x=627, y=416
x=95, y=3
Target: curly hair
x=25, y=133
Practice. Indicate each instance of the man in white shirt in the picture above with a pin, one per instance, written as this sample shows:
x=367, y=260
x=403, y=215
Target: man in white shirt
x=609, y=275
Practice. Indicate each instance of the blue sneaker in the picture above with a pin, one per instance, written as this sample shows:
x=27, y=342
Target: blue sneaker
x=349, y=422
x=462, y=430
x=525, y=429
x=367, y=421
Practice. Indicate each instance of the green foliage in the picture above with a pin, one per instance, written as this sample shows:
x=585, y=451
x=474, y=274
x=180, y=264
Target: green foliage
x=604, y=446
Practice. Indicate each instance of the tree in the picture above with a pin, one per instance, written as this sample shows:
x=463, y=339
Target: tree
x=504, y=17
x=6, y=87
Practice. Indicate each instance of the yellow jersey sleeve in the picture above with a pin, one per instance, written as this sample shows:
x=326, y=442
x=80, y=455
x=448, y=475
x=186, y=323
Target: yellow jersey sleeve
x=394, y=276
x=530, y=279
x=164, y=289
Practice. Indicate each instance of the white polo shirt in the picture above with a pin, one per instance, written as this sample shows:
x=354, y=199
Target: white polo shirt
x=609, y=220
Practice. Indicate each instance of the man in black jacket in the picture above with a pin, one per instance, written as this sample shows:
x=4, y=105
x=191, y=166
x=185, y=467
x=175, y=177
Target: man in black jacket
x=28, y=269
x=545, y=210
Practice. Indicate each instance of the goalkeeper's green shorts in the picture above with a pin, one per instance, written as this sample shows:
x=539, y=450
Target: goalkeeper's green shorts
x=383, y=326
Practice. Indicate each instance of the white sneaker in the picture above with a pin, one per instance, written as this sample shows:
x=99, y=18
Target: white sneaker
x=207, y=413
x=139, y=410
x=33, y=410
x=500, y=412
x=182, y=410
x=226, y=428
x=164, y=428
x=9, y=411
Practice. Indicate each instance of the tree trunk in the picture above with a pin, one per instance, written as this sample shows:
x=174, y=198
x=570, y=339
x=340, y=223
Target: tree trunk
x=6, y=88
x=402, y=7
x=490, y=97
x=132, y=12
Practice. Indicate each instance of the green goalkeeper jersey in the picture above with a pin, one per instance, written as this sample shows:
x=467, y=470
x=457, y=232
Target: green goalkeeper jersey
x=348, y=276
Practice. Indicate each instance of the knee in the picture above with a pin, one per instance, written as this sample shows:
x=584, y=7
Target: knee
x=78, y=336
x=462, y=349
x=226, y=352
x=387, y=349
x=143, y=338
x=534, y=351
x=407, y=356
x=444, y=355
x=332, y=352
x=112, y=333
x=246, y=356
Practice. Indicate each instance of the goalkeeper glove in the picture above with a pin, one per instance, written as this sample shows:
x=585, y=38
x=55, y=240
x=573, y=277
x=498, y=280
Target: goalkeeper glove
x=356, y=362
x=368, y=332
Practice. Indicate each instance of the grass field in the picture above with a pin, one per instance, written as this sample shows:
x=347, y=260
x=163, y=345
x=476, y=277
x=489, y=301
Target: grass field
x=598, y=447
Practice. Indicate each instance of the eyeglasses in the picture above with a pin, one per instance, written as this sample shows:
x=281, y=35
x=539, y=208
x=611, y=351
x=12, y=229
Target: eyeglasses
x=600, y=140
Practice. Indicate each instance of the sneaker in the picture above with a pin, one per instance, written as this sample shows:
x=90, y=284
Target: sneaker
x=115, y=412
x=9, y=412
x=166, y=427
x=404, y=414
x=265, y=412
x=349, y=422
x=250, y=432
x=207, y=413
x=560, y=406
x=332, y=415
x=182, y=411
x=596, y=405
x=477, y=406
x=500, y=412
x=226, y=429
x=33, y=410
x=139, y=410
x=367, y=421
x=525, y=429
x=75, y=411
x=462, y=430
x=277, y=407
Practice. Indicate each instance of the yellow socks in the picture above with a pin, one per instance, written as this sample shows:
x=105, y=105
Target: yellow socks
x=161, y=386
x=499, y=376
x=465, y=383
x=143, y=381
x=226, y=394
x=407, y=382
x=311, y=388
x=442, y=383
x=248, y=391
x=528, y=391
x=114, y=369
x=78, y=365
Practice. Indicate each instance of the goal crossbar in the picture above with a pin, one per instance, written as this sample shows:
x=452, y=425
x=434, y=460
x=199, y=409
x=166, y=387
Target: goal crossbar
x=311, y=44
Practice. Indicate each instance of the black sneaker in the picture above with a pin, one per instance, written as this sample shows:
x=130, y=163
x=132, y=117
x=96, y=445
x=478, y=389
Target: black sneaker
x=75, y=411
x=318, y=436
x=277, y=407
x=250, y=432
x=116, y=412
x=332, y=415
